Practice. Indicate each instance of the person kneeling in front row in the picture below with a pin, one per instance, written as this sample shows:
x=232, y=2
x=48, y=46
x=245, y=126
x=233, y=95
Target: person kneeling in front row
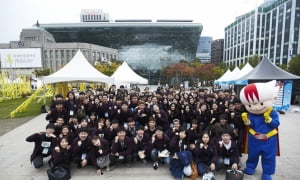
x=44, y=142
x=121, y=149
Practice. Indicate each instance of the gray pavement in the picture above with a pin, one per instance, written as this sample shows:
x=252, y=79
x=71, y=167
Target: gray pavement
x=15, y=153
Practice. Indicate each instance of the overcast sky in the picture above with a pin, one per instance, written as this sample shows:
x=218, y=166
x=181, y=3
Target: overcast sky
x=214, y=15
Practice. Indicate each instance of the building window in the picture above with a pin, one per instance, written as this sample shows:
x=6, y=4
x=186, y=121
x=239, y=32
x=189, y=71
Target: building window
x=51, y=54
x=56, y=54
x=45, y=54
x=29, y=38
x=68, y=54
x=62, y=54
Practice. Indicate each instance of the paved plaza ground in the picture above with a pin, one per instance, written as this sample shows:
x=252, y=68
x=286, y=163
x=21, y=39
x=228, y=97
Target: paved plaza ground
x=15, y=153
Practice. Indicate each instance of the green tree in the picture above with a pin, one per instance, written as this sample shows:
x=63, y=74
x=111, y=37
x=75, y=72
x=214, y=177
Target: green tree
x=41, y=72
x=283, y=66
x=218, y=72
x=108, y=68
x=254, y=60
x=242, y=65
x=294, y=65
x=222, y=65
x=195, y=63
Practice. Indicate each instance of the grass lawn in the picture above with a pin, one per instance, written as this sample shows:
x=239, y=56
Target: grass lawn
x=32, y=110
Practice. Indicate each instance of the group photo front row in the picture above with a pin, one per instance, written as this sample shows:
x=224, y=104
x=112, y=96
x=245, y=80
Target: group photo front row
x=193, y=133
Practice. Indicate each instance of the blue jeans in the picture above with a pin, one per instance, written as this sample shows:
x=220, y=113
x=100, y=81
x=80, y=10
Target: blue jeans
x=202, y=168
x=154, y=157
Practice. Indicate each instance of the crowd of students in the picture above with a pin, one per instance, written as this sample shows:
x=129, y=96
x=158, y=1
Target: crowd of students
x=107, y=128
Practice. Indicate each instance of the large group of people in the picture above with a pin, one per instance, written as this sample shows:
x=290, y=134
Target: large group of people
x=177, y=128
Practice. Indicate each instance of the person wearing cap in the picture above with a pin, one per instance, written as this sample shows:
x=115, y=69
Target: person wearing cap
x=44, y=142
x=58, y=111
x=81, y=147
x=160, y=147
x=121, y=148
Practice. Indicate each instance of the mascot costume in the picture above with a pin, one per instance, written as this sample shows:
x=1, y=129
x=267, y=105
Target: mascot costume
x=262, y=123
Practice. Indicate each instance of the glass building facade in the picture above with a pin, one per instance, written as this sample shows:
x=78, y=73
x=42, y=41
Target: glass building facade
x=204, y=49
x=147, y=47
x=271, y=30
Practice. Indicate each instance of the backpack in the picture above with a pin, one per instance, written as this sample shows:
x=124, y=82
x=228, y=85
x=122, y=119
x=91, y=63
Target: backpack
x=58, y=173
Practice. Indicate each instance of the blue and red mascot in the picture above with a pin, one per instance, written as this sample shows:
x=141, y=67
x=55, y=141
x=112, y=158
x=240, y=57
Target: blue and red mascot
x=262, y=127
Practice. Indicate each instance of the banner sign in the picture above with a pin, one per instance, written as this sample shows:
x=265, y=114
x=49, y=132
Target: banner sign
x=21, y=58
x=283, y=99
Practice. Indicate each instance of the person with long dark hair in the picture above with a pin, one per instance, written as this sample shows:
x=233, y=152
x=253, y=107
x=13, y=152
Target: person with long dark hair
x=205, y=154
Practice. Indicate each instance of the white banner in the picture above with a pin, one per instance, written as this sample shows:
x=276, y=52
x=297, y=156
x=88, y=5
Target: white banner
x=21, y=58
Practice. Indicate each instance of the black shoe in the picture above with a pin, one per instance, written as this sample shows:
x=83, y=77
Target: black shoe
x=155, y=166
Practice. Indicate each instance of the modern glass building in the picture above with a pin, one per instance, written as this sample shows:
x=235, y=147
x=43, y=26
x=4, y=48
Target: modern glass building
x=204, y=49
x=271, y=30
x=146, y=46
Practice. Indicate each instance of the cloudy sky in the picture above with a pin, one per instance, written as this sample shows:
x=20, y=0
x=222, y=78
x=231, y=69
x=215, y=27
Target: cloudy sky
x=214, y=15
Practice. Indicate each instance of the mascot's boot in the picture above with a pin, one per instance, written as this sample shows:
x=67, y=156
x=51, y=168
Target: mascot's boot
x=249, y=171
x=266, y=177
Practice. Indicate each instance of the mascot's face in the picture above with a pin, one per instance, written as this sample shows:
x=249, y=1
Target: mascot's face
x=258, y=97
x=260, y=107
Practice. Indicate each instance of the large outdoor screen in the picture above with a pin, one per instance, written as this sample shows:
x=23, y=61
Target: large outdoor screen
x=21, y=58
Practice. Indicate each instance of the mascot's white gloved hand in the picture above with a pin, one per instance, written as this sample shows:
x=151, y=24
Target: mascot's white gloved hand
x=245, y=118
x=267, y=116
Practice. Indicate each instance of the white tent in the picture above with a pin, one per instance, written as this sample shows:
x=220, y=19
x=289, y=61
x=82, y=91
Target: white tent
x=78, y=69
x=232, y=75
x=125, y=75
x=227, y=73
x=245, y=70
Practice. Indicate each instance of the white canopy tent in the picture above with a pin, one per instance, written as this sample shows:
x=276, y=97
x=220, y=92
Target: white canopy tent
x=227, y=73
x=124, y=75
x=232, y=75
x=245, y=70
x=78, y=69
